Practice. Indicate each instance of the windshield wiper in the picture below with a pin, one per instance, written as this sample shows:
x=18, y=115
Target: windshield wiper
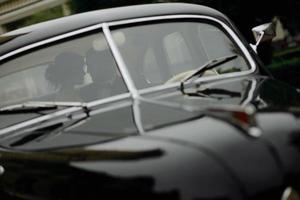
x=213, y=92
x=46, y=131
x=37, y=106
x=30, y=107
x=209, y=65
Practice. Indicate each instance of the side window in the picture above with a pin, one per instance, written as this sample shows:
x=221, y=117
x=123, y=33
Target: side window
x=177, y=51
x=81, y=68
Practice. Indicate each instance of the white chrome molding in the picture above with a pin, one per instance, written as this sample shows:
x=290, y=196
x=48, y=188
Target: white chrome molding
x=137, y=116
x=251, y=92
x=50, y=40
x=120, y=62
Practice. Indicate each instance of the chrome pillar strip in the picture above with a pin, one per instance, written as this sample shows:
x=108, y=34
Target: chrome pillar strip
x=137, y=116
x=120, y=62
x=250, y=95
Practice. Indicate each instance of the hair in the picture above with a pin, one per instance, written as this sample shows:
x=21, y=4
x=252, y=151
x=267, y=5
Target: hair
x=67, y=68
x=101, y=65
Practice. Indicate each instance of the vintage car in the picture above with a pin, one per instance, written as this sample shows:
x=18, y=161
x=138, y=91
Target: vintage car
x=160, y=101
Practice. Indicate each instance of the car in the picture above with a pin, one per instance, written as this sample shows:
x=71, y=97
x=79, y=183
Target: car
x=159, y=101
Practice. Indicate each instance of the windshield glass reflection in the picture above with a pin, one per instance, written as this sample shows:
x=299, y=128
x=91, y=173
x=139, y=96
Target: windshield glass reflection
x=164, y=53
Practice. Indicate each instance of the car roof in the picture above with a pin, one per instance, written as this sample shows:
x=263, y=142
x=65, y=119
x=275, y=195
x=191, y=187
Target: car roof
x=34, y=33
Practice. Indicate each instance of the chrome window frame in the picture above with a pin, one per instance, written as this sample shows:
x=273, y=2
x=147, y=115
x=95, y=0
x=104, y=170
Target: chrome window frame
x=50, y=40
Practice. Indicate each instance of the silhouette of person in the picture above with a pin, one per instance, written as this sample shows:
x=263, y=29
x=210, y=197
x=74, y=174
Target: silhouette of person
x=64, y=74
x=103, y=71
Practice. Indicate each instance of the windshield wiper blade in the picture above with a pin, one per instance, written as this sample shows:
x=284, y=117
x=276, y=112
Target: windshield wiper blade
x=210, y=92
x=36, y=106
x=46, y=131
x=209, y=65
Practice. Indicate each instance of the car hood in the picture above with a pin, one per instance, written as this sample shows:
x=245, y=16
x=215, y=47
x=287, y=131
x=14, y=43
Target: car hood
x=164, y=147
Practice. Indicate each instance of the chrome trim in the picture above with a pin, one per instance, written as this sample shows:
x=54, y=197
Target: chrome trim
x=137, y=116
x=56, y=103
x=53, y=39
x=120, y=62
x=225, y=27
x=251, y=92
x=37, y=104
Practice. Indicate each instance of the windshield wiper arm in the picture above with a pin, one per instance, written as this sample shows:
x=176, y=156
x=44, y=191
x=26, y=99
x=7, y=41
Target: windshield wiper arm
x=209, y=65
x=67, y=109
x=36, y=106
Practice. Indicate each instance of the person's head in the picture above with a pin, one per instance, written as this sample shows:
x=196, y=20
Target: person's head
x=67, y=70
x=100, y=65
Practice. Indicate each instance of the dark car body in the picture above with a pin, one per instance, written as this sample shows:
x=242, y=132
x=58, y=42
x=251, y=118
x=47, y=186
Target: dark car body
x=234, y=137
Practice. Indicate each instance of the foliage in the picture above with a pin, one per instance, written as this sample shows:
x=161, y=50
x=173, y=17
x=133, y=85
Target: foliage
x=52, y=13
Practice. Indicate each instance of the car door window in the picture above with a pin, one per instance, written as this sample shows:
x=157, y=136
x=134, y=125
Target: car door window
x=81, y=68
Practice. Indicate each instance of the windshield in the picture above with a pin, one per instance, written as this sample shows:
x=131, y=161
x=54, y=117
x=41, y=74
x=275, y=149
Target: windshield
x=80, y=69
x=168, y=52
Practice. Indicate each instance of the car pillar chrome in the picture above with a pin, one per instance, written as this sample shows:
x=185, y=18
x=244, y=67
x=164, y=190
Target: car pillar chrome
x=120, y=62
